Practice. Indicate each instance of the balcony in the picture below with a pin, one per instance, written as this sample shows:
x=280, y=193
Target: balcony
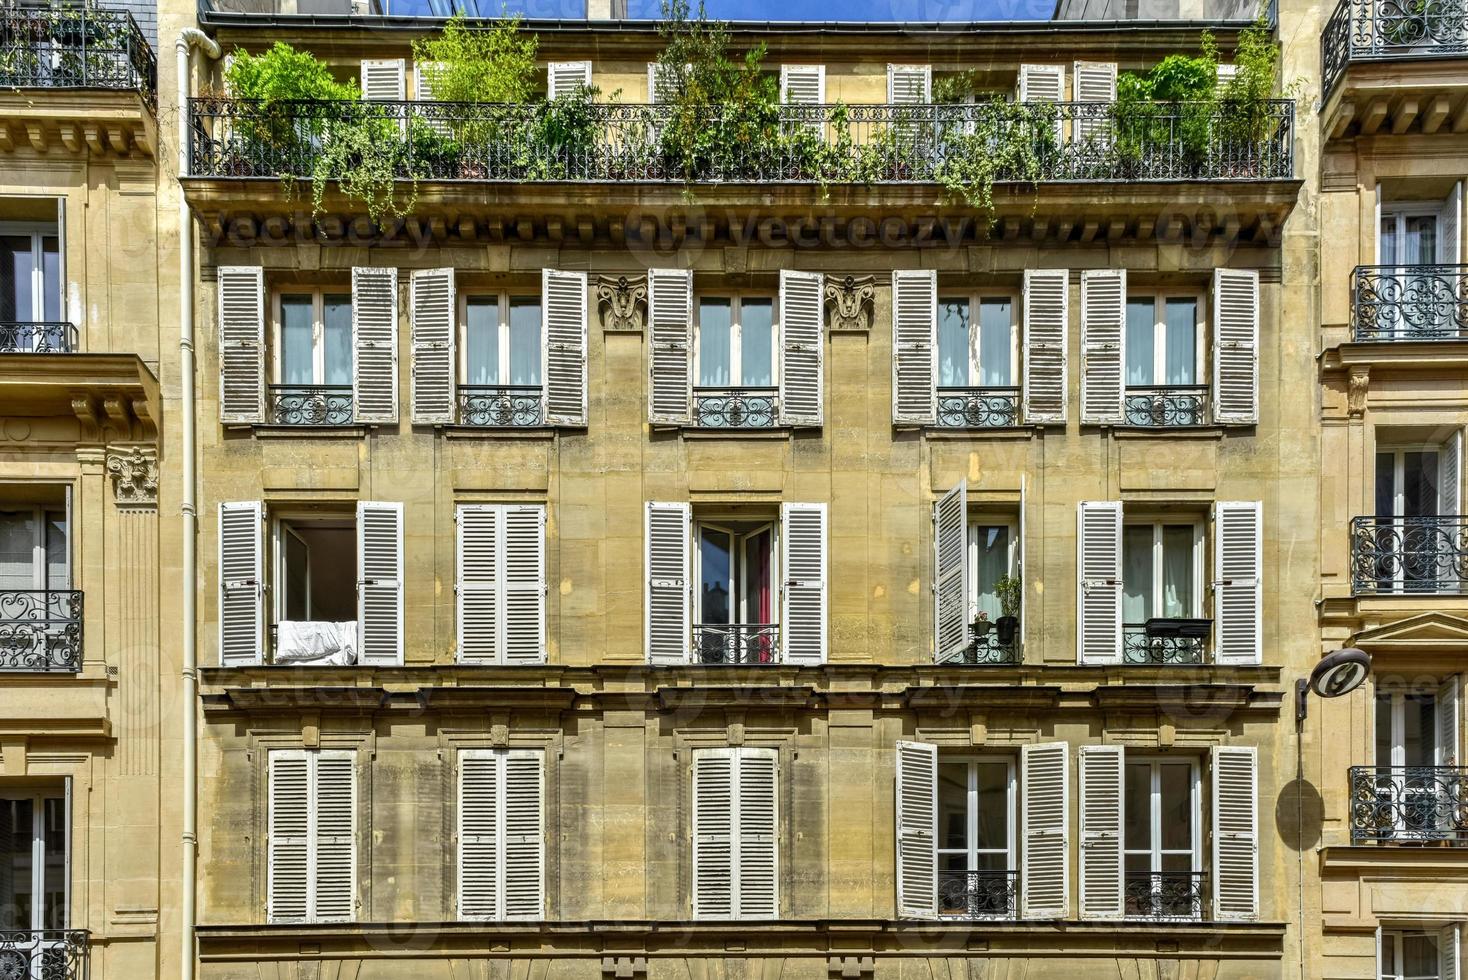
x=1167, y=406
x=1164, y=894
x=501, y=406
x=75, y=47
x=309, y=405
x=986, y=647
x=40, y=630
x=1390, y=30
x=1409, y=804
x=736, y=643
x=37, y=337
x=978, y=408
x=736, y=408
x=1165, y=642
x=1407, y=303
x=1409, y=555
x=977, y=894
x=45, y=954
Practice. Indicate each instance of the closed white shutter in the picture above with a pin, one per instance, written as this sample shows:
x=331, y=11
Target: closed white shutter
x=288, y=889
x=735, y=833
x=1047, y=330
x=802, y=339
x=1045, y=809
x=481, y=801
x=312, y=836
x=909, y=84
x=432, y=312
x=1094, y=81
x=1448, y=957
x=1098, y=561
x=380, y=582
x=668, y=634
x=757, y=839
x=384, y=79
x=563, y=78
x=803, y=535
x=524, y=834
x=1235, y=833
x=241, y=343
x=1238, y=593
x=713, y=833
x=1235, y=345
x=564, y=303
x=917, y=830
x=375, y=343
x=501, y=834
x=335, y=836
x=241, y=583
x=1452, y=226
x=1450, y=479
x=1447, y=716
x=914, y=346
x=478, y=586
x=803, y=84
x=524, y=551
x=1103, y=344
x=670, y=339
x=950, y=573
x=1042, y=83
x=1101, y=832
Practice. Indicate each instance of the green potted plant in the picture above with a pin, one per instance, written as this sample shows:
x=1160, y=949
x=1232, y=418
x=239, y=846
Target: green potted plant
x=982, y=625
x=1008, y=589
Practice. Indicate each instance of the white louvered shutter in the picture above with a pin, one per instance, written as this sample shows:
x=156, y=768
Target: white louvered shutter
x=1098, y=561
x=802, y=340
x=1235, y=345
x=1225, y=75
x=950, y=573
x=1450, y=478
x=1045, y=809
x=384, y=79
x=288, y=889
x=1452, y=226
x=1102, y=815
x=1448, y=718
x=909, y=84
x=375, y=343
x=1237, y=587
x=524, y=583
x=241, y=583
x=803, y=537
x=670, y=339
x=1449, y=954
x=1235, y=833
x=757, y=840
x=241, y=343
x=1042, y=83
x=380, y=583
x=1094, y=81
x=563, y=297
x=563, y=78
x=917, y=830
x=1047, y=331
x=661, y=84
x=803, y=84
x=713, y=833
x=668, y=630
x=335, y=855
x=479, y=589
x=1103, y=344
x=432, y=311
x=480, y=805
x=1019, y=554
x=524, y=834
x=914, y=346
x=425, y=73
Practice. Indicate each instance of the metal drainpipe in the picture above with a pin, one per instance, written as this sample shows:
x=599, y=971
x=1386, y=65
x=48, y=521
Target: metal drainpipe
x=188, y=39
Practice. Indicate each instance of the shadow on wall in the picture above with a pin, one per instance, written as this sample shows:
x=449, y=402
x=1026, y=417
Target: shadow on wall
x=1299, y=815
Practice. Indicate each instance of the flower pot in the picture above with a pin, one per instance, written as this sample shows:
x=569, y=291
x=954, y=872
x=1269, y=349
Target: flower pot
x=982, y=627
x=1007, y=625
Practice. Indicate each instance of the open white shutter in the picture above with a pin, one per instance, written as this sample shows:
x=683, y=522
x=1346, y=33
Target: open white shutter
x=241, y=343
x=432, y=310
x=950, y=573
x=661, y=84
x=909, y=84
x=757, y=841
x=524, y=584
x=479, y=585
x=1237, y=591
x=670, y=339
x=1235, y=833
x=1224, y=76
x=668, y=631
x=714, y=803
x=803, y=562
x=1102, y=803
x=1019, y=562
x=1045, y=809
x=1098, y=594
x=1236, y=345
x=803, y=84
x=425, y=74
x=1447, y=717
x=914, y=346
x=564, y=303
x=380, y=582
x=241, y=583
x=917, y=830
x=802, y=340
x=375, y=344
x=1042, y=83
x=335, y=891
x=1047, y=329
x=481, y=800
x=384, y=79
x=563, y=78
x=288, y=888
x=1451, y=229
x=1450, y=476
x=1448, y=954
x=1103, y=344
x=1094, y=81
x=524, y=834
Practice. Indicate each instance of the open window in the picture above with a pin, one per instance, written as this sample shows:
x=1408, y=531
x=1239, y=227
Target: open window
x=978, y=586
x=1418, y=256
x=31, y=304
x=40, y=613
x=1162, y=590
x=315, y=614
x=734, y=591
x=1419, y=953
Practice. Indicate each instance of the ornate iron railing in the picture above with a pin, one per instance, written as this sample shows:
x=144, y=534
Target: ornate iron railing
x=75, y=46
x=986, y=648
x=736, y=643
x=1143, y=644
x=37, y=337
x=1409, y=555
x=1409, y=804
x=502, y=406
x=1167, y=406
x=1409, y=302
x=736, y=408
x=978, y=408
x=1387, y=30
x=310, y=404
x=977, y=894
x=1164, y=894
x=568, y=140
x=45, y=954
x=40, y=630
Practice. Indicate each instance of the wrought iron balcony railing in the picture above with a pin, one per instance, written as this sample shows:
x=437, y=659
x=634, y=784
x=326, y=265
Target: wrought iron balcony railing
x=310, y=404
x=1164, y=894
x=37, y=337
x=1409, y=555
x=736, y=408
x=986, y=648
x=1409, y=302
x=736, y=643
x=68, y=45
x=1163, y=642
x=45, y=954
x=1167, y=406
x=502, y=406
x=1409, y=804
x=977, y=894
x=862, y=144
x=1387, y=30
x=40, y=630
x=978, y=408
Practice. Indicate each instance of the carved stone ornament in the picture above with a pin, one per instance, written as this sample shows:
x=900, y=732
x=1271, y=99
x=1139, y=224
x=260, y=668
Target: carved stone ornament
x=134, y=476
x=1356, y=393
x=622, y=301
x=850, y=302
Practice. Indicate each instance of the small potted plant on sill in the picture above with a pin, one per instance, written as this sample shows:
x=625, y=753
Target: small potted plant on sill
x=1008, y=589
x=982, y=625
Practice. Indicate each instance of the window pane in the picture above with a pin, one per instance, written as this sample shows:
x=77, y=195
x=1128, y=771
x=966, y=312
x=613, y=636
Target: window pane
x=16, y=265
x=758, y=598
x=1137, y=834
x=995, y=343
x=525, y=347
x=17, y=549
x=992, y=565
x=1177, y=807
x=55, y=871
x=1177, y=570
x=57, y=573
x=482, y=340
x=336, y=340
x=1383, y=729
x=715, y=574
x=1419, y=484
x=1419, y=735
x=1388, y=243
x=1141, y=341
x=1182, y=342
x=50, y=278
x=1386, y=503
x=953, y=805
x=1136, y=573
x=17, y=831
x=1388, y=954
x=297, y=577
x=714, y=343
x=1421, y=240
x=1419, y=955
x=295, y=340
x=757, y=343
x=993, y=805
x=953, y=346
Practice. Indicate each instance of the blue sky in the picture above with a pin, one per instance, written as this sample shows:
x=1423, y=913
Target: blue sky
x=777, y=10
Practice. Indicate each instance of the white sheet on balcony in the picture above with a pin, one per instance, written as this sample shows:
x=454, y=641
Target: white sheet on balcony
x=316, y=643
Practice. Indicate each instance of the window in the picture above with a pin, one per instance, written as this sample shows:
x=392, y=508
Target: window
x=30, y=273
x=40, y=614
x=501, y=371
x=311, y=835
x=976, y=837
x=1415, y=782
x=1413, y=543
x=1418, y=954
x=35, y=554
x=313, y=358
x=1164, y=352
x=1162, y=570
x=735, y=833
x=500, y=583
x=35, y=886
x=1410, y=235
x=1162, y=838
x=735, y=362
x=977, y=368
x=1409, y=483
x=315, y=610
x=501, y=834
x=735, y=590
x=993, y=555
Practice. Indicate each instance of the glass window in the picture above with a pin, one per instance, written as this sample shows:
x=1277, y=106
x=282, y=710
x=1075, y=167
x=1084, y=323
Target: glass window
x=715, y=343
x=1406, y=729
x=482, y=340
x=757, y=343
x=499, y=350
x=736, y=343
x=1408, y=236
x=1159, y=571
x=1161, y=350
x=953, y=343
x=1160, y=837
x=1181, y=336
x=30, y=276
x=1141, y=340
x=315, y=341
x=1410, y=955
x=1407, y=483
x=993, y=559
x=33, y=887
x=735, y=611
x=34, y=550
x=976, y=857
x=336, y=340
x=525, y=346
x=996, y=338
x=975, y=354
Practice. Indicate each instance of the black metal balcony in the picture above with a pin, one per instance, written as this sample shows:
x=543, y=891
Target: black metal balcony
x=45, y=954
x=1409, y=302
x=1165, y=642
x=1389, y=30
x=40, y=630
x=1164, y=894
x=502, y=406
x=736, y=643
x=736, y=408
x=986, y=648
x=1409, y=804
x=310, y=405
x=977, y=894
x=1167, y=406
x=75, y=46
x=37, y=337
x=1409, y=555
x=978, y=408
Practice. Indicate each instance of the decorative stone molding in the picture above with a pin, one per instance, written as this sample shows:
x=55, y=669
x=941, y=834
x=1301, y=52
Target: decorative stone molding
x=851, y=967
x=623, y=967
x=623, y=303
x=1356, y=393
x=850, y=302
x=134, y=477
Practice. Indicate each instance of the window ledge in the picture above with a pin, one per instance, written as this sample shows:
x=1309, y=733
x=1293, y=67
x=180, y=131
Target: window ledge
x=992, y=431
x=776, y=433
x=267, y=430
x=1166, y=432
x=499, y=431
